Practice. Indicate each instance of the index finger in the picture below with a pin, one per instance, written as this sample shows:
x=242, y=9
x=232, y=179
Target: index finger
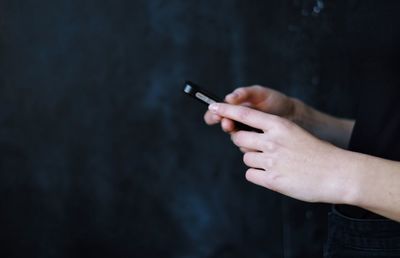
x=245, y=115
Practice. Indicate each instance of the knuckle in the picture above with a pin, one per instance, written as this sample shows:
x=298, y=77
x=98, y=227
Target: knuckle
x=243, y=114
x=234, y=138
x=269, y=163
x=257, y=88
x=276, y=119
x=221, y=109
x=239, y=90
x=282, y=124
x=237, y=138
x=270, y=146
x=272, y=181
x=287, y=124
x=241, y=138
x=253, y=142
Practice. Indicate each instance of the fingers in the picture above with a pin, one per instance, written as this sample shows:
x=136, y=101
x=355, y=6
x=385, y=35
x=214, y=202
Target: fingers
x=249, y=116
x=256, y=176
x=211, y=118
x=248, y=140
x=254, y=160
x=227, y=125
x=267, y=179
x=234, y=98
x=252, y=94
x=245, y=150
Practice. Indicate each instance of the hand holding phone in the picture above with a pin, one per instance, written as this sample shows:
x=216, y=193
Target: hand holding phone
x=207, y=98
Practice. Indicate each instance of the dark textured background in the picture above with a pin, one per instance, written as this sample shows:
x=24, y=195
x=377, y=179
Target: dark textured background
x=101, y=155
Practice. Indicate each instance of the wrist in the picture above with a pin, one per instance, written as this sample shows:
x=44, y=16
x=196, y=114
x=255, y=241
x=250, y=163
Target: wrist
x=334, y=130
x=299, y=112
x=353, y=178
x=304, y=116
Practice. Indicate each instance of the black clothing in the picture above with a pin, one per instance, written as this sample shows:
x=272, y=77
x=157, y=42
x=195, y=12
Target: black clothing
x=352, y=231
x=356, y=238
x=377, y=128
x=377, y=75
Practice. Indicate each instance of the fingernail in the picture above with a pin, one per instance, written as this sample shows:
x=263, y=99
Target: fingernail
x=233, y=95
x=213, y=107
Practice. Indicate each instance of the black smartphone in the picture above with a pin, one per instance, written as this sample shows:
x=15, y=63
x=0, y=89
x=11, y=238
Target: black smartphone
x=196, y=92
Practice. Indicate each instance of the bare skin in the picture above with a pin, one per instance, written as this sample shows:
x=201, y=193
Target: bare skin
x=293, y=156
x=326, y=127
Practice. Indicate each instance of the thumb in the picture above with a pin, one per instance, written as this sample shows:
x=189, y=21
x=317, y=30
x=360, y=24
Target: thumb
x=252, y=95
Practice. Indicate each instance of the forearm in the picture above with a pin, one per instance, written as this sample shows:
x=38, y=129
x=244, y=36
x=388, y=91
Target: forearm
x=335, y=130
x=374, y=184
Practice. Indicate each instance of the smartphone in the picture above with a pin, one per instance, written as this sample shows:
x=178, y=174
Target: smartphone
x=196, y=92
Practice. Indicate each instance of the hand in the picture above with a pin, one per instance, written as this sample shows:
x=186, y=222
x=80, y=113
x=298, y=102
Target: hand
x=288, y=159
x=256, y=97
x=335, y=130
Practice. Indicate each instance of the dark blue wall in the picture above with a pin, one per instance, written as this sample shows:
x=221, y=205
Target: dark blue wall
x=101, y=155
